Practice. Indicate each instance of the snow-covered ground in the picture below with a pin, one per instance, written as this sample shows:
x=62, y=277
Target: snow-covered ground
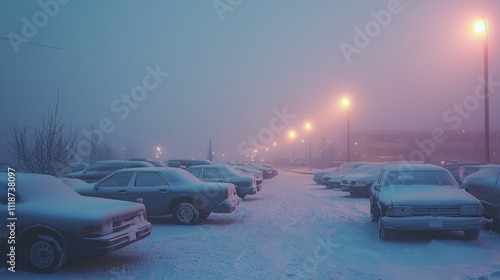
x=292, y=229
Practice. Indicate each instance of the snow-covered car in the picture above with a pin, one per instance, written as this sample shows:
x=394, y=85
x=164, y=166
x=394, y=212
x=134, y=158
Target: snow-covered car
x=52, y=222
x=103, y=168
x=423, y=197
x=360, y=181
x=259, y=177
x=166, y=191
x=267, y=170
x=318, y=176
x=245, y=185
x=333, y=180
x=467, y=170
x=485, y=186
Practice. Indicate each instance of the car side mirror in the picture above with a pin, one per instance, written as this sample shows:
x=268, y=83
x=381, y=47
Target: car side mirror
x=96, y=186
x=376, y=187
x=140, y=200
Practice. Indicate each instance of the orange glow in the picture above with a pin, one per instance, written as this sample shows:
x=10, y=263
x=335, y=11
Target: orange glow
x=345, y=102
x=308, y=126
x=480, y=26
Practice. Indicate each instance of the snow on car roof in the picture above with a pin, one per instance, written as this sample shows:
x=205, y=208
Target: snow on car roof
x=406, y=166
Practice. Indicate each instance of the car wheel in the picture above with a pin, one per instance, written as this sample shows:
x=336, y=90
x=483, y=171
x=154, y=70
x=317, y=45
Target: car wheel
x=383, y=232
x=45, y=253
x=186, y=214
x=471, y=234
x=374, y=212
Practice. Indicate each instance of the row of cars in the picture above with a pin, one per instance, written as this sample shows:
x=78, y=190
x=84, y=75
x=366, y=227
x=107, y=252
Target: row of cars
x=415, y=196
x=91, y=212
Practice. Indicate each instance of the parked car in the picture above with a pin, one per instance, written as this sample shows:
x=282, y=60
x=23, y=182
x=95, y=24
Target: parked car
x=245, y=185
x=423, y=197
x=186, y=163
x=274, y=171
x=267, y=171
x=75, y=167
x=103, y=168
x=54, y=222
x=485, y=186
x=166, y=191
x=360, y=181
x=153, y=162
x=318, y=176
x=259, y=177
x=467, y=170
x=454, y=167
x=333, y=180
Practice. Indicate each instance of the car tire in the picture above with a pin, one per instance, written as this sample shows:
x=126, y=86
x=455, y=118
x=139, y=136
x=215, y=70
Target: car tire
x=374, y=212
x=383, y=232
x=45, y=253
x=471, y=234
x=186, y=214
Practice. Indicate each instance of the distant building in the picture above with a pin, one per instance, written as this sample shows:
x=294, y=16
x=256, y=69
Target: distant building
x=429, y=146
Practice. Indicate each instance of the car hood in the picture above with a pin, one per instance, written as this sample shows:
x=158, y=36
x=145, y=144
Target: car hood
x=425, y=195
x=81, y=208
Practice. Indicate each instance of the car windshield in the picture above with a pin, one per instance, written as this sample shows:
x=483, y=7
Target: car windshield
x=434, y=178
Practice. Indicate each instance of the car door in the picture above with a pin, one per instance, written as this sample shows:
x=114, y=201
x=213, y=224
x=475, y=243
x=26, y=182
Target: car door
x=152, y=188
x=115, y=186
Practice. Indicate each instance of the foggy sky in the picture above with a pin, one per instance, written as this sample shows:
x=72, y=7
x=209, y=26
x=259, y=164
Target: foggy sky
x=230, y=70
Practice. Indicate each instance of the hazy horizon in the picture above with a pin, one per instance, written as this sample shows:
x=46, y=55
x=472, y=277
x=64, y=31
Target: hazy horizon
x=176, y=74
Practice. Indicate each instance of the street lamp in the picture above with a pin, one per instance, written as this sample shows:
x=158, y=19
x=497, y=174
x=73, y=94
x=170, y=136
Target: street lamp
x=308, y=128
x=345, y=103
x=482, y=27
x=292, y=136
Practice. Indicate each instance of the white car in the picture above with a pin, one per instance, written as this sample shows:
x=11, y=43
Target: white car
x=52, y=222
x=423, y=197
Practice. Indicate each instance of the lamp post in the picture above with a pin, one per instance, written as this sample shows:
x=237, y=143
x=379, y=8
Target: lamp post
x=345, y=103
x=482, y=27
x=292, y=136
x=308, y=128
x=275, y=151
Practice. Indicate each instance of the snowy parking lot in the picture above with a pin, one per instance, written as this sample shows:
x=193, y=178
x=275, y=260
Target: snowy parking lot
x=292, y=229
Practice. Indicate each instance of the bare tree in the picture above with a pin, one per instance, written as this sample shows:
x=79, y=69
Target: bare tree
x=47, y=150
x=99, y=150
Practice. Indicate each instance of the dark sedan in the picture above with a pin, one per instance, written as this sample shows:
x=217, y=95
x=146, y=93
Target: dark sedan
x=166, y=191
x=485, y=186
x=222, y=173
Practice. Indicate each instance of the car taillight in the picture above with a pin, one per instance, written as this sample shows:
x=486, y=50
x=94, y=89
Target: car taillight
x=227, y=193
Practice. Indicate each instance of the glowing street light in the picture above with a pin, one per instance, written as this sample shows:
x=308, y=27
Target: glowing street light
x=308, y=127
x=292, y=136
x=346, y=104
x=481, y=26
